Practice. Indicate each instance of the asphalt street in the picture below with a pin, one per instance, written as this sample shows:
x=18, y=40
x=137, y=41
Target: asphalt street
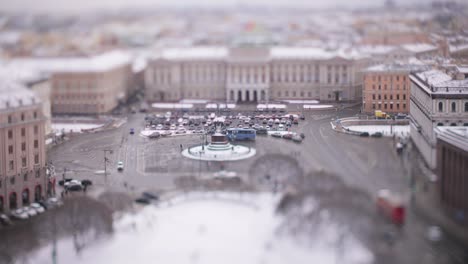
x=368, y=164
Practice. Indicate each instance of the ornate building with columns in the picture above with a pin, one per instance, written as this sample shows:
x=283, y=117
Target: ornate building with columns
x=249, y=73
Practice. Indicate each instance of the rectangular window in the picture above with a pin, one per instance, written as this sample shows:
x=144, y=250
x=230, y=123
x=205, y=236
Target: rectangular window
x=398, y=106
x=36, y=130
x=398, y=97
x=373, y=97
x=23, y=146
x=23, y=162
x=391, y=97
x=23, y=132
x=11, y=165
x=391, y=106
x=36, y=159
x=36, y=143
x=404, y=106
x=10, y=134
x=12, y=180
x=10, y=149
x=373, y=106
x=385, y=106
x=10, y=119
x=404, y=96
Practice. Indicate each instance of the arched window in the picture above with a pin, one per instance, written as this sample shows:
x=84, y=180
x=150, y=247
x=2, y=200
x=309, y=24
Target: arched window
x=453, y=124
x=454, y=107
x=466, y=107
x=441, y=106
x=440, y=124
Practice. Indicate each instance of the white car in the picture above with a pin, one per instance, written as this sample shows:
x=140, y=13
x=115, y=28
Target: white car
x=120, y=166
x=173, y=127
x=277, y=121
x=159, y=127
x=20, y=214
x=30, y=211
x=39, y=209
x=281, y=127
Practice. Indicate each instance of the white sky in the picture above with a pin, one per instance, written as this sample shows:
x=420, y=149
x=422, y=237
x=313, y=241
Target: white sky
x=81, y=5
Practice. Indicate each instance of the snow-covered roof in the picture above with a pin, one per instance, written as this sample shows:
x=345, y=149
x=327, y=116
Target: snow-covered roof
x=396, y=67
x=312, y=53
x=457, y=136
x=457, y=48
x=435, y=81
x=463, y=69
x=98, y=63
x=20, y=74
x=207, y=53
x=193, y=53
x=419, y=47
x=14, y=94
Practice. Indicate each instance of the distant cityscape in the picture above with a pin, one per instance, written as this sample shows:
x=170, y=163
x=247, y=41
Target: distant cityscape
x=384, y=63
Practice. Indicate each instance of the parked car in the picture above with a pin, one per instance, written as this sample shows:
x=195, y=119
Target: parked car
x=30, y=211
x=302, y=135
x=20, y=214
x=262, y=131
x=154, y=135
x=53, y=202
x=276, y=134
x=297, y=138
x=159, y=127
x=287, y=136
x=36, y=206
x=143, y=200
x=120, y=166
x=377, y=134
x=151, y=196
x=364, y=134
x=5, y=220
x=132, y=131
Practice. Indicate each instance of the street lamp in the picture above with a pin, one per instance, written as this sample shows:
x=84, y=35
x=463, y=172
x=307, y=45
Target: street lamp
x=105, y=163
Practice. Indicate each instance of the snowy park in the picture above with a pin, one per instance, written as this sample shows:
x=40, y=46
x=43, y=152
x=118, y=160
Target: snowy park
x=200, y=228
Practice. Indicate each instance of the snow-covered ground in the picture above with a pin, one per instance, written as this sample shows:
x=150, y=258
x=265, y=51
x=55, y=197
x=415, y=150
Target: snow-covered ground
x=213, y=228
x=73, y=127
x=220, y=106
x=386, y=130
x=271, y=106
x=317, y=106
x=301, y=101
x=193, y=101
x=172, y=105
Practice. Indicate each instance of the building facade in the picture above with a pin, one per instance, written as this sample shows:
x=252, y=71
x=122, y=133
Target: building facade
x=22, y=147
x=85, y=85
x=436, y=99
x=452, y=169
x=387, y=88
x=254, y=74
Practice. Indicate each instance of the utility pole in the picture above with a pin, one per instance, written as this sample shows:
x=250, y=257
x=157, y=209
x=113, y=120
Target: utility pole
x=105, y=163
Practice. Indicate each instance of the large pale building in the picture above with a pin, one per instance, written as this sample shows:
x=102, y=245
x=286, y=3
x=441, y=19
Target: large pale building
x=437, y=99
x=250, y=73
x=22, y=152
x=85, y=85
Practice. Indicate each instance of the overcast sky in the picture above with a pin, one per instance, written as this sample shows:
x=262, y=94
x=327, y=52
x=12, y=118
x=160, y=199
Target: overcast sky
x=82, y=5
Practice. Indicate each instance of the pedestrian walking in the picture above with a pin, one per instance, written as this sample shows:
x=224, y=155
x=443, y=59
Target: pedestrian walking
x=181, y=147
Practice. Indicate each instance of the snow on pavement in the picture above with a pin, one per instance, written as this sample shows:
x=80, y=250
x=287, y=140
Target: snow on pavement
x=317, y=106
x=73, y=127
x=212, y=227
x=386, y=130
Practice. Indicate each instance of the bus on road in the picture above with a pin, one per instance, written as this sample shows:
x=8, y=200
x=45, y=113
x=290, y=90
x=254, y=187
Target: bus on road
x=241, y=134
